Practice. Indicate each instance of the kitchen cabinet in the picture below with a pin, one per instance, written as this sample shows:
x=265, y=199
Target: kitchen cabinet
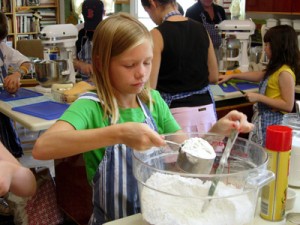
x=272, y=6
x=296, y=7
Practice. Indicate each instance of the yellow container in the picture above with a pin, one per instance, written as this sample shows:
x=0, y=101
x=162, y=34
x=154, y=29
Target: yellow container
x=278, y=147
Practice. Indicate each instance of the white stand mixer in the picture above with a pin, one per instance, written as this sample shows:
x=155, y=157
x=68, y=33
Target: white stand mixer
x=63, y=37
x=242, y=30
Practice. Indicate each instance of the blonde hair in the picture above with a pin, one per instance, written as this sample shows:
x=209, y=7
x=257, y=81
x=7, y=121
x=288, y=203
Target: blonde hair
x=112, y=37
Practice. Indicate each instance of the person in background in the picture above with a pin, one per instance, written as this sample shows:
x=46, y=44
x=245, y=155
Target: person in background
x=93, y=12
x=124, y=114
x=277, y=82
x=209, y=14
x=184, y=65
x=11, y=84
x=14, y=177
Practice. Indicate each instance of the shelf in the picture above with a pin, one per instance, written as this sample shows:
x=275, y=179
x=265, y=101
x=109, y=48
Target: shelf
x=25, y=22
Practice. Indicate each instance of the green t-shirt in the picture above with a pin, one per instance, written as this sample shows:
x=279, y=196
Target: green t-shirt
x=88, y=114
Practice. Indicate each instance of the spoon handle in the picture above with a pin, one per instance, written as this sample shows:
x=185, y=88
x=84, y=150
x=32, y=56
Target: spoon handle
x=223, y=162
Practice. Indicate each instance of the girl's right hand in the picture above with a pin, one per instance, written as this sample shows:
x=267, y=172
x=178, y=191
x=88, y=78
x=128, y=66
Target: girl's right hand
x=140, y=136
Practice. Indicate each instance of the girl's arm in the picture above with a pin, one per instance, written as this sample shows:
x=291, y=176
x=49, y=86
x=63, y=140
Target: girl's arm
x=287, y=92
x=14, y=177
x=62, y=140
x=249, y=76
x=157, y=49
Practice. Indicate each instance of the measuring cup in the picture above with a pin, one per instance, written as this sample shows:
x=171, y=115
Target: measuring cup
x=197, y=159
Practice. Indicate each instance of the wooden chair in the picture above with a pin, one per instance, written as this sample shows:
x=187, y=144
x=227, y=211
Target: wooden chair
x=31, y=48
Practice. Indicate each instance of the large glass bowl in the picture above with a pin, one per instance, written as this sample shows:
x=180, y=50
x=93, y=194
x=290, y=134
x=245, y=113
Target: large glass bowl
x=171, y=197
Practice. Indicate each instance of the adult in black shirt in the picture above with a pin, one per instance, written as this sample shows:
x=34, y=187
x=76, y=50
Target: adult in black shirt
x=209, y=14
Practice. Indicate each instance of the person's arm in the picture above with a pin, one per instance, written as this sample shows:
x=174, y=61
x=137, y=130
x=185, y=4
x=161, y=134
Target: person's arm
x=256, y=76
x=14, y=177
x=16, y=59
x=157, y=50
x=83, y=67
x=212, y=64
x=287, y=92
x=62, y=140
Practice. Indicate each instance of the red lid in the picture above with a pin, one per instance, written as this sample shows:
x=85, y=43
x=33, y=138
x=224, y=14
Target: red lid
x=279, y=138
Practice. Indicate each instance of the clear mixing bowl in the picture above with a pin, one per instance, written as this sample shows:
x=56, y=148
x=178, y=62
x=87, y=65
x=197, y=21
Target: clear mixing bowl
x=170, y=197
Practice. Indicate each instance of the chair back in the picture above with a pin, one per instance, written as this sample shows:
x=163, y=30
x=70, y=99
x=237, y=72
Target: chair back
x=31, y=48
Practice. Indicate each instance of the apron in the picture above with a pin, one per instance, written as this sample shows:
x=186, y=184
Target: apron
x=115, y=190
x=85, y=55
x=8, y=134
x=213, y=32
x=263, y=116
x=184, y=118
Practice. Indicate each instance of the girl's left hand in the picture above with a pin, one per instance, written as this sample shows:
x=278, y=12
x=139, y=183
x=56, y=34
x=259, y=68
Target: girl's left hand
x=229, y=122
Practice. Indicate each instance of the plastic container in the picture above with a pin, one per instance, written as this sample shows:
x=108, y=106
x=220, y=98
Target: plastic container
x=293, y=121
x=169, y=196
x=273, y=198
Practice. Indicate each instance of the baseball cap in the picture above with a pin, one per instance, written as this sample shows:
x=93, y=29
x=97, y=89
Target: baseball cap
x=92, y=11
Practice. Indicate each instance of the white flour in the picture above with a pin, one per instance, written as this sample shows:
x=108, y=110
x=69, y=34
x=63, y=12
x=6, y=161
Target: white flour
x=162, y=209
x=199, y=147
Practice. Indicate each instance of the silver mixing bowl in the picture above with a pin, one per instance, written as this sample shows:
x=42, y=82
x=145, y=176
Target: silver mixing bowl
x=50, y=72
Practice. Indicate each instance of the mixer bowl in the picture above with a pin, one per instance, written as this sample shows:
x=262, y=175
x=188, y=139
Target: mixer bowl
x=171, y=197
x=50, y=72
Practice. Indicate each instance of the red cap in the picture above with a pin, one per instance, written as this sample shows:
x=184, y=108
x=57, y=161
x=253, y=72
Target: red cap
x=279, y=138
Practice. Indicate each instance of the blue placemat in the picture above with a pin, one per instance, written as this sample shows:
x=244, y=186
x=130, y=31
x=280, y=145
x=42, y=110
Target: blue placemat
x=48, y=110
x=20, y=94
x=241, y=85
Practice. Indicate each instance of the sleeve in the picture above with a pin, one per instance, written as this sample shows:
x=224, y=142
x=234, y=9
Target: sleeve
x=193, y=13
x=165, y=121
x=222, y=12
x=13, y=57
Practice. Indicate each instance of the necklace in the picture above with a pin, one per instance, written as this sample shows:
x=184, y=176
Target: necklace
x=172, y=13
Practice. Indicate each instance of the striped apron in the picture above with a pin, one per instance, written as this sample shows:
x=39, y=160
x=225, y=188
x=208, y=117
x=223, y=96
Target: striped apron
x=263, y=116
x=115, y=190
x=85, y=55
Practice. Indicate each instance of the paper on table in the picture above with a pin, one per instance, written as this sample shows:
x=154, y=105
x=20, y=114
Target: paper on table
x=217, y=90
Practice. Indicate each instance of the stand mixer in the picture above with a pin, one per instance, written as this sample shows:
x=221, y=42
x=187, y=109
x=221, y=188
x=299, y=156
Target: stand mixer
x=63, y=38
x=241, y=30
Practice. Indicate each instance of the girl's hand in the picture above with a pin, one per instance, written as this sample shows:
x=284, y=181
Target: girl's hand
x=140, y=136
x=223, y=78
x=253, y=97
x=229, y=122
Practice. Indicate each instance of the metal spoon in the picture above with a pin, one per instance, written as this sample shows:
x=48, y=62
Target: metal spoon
x=223, y=162
x=297, y=106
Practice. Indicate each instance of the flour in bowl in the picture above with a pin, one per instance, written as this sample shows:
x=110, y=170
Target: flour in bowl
x=199, y=147
x=161, y=206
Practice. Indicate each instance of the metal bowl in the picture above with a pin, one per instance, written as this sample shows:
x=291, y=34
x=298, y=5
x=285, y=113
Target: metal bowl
x=50, y=72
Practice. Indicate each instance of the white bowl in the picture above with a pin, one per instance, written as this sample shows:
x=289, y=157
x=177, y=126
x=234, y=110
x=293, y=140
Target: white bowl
x=290, y=199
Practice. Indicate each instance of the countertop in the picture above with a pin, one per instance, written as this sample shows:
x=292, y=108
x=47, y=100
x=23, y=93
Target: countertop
x=137, y=219
x=36, y=124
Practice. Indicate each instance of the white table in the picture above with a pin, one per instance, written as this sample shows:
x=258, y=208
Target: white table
x=30, y=122
x=137, y=219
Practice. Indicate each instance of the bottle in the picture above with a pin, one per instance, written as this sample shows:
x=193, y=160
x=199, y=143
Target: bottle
x=293, y=121
x=221, y=56
x=278, y=147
